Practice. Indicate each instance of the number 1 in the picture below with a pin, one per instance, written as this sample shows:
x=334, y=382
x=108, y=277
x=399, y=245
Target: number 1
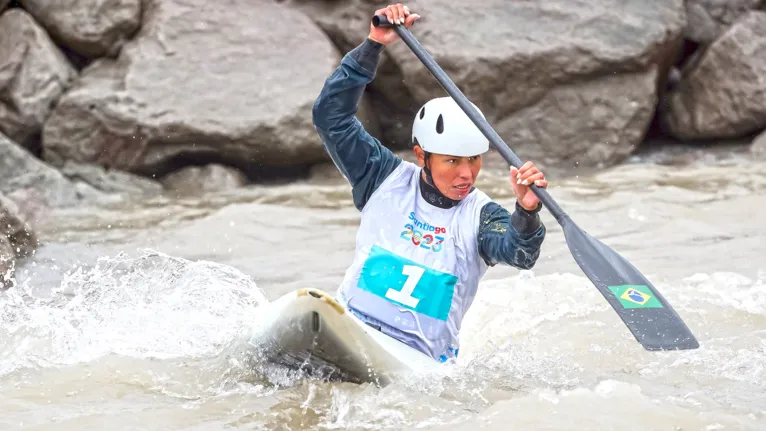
x=404, y=296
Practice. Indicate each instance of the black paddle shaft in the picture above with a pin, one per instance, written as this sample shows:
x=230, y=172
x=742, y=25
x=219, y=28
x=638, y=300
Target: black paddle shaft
x=643, y=309
x=468, y=108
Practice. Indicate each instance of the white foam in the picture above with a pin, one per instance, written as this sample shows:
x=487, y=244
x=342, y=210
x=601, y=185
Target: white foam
x=151, y=306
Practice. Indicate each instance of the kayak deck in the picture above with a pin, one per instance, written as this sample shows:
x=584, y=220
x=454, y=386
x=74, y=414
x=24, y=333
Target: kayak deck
x=308, y=330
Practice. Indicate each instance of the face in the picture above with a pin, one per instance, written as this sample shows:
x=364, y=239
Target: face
x=453, y=176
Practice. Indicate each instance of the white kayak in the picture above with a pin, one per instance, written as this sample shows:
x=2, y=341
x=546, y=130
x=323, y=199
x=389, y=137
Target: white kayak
x=308, y=330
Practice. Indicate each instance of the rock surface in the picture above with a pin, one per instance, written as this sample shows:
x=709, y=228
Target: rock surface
x=33, y=75
x=16, y=229
x=7, y=263
x=722, y=95
x=199, y=179
x=17, y=240
x=229, y=81
x=3, y=5
x=513, y=58
x=92, y=28
x=708, y=19
x=111, y=181
x=758, y=147
x=20, y=170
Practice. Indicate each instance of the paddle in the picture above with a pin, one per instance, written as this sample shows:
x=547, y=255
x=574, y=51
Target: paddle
x=642, y=308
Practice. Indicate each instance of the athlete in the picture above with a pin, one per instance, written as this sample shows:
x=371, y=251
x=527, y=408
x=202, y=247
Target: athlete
x=426, y=235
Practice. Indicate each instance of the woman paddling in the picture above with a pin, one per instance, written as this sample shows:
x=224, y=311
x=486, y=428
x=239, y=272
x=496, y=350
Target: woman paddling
x=426, y=236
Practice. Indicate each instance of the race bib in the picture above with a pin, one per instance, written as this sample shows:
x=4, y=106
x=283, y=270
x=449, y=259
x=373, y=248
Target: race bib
x=407, y=283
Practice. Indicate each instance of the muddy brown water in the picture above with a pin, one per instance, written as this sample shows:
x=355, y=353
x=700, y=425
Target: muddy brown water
x=135, y=316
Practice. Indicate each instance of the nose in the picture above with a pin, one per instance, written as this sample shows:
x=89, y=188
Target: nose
x=464, y=171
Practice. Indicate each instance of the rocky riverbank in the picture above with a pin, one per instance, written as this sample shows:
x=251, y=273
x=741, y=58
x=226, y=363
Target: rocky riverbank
x=102, y=99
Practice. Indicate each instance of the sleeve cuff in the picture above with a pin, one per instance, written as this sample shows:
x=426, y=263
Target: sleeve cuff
x=367, y=54
x=526, y=222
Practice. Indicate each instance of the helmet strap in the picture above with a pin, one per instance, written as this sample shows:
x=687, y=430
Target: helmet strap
x=430, y=192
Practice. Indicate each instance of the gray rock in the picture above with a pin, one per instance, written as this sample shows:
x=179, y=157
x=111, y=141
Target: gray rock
x=92, y=28
x=17, y=240
x=7, y=263
x=708, y=19
x=594, y=124
x=200, y=179
x=33, y=75
x=758, y=147
x=111, y=181
x=512, y=58
x=15, y=228
x=199, y=79
x=20, y=170
x=722, y=95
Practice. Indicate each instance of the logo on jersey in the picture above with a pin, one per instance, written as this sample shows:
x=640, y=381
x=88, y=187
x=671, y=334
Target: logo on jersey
x=423, y=234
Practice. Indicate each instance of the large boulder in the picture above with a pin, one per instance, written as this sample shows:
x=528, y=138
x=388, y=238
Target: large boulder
x=596, y=64
x=21, y=171
x=231, y=81
x=34, y=74
x=722, y=94
x=92, y=28
x=708, y=19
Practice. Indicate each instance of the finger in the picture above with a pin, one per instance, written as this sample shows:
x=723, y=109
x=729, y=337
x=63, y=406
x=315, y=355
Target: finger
x=398, y=13
x=529, y=173
x=407, y=11
x=388, y=12
x=411, y=20
x=541, y=183
x=402, y=13
x=524, y=168
x=532, y=178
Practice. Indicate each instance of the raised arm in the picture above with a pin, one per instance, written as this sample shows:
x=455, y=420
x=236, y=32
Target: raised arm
x=360, y=157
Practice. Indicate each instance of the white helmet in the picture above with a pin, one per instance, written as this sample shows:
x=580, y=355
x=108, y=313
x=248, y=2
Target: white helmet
x=441, y=127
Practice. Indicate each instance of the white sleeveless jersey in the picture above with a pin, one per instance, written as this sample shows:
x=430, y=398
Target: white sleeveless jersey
x=417, y=267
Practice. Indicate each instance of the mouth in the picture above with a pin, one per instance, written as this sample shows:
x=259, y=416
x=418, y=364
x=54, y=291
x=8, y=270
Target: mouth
x=462, y=188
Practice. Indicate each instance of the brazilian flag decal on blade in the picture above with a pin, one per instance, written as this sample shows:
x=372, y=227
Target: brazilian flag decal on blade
x=635, y=296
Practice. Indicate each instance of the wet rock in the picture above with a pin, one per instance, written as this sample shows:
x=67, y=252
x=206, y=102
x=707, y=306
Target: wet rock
x=16, y=229
x=111, y=181
x=20, y=171
x=33, y=75
x=513, y=59
x=17, y=240
x=595, y=125
x=758, y=147
x=722, y=95
x=200, y=179
x=234, y=82
x=92, y=28
x=708, y=19
x=7, y=263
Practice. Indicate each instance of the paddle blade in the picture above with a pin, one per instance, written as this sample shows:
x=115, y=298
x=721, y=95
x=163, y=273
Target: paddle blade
x=641, y=307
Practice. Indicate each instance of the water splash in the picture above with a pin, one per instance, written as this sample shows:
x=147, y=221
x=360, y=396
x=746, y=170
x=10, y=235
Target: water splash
x=150, y=306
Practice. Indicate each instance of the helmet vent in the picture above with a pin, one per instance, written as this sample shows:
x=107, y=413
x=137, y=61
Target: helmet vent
x=422, y=112
x=440, y=125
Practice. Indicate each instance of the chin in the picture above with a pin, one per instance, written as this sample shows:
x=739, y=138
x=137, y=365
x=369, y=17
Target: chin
x=458, y=196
